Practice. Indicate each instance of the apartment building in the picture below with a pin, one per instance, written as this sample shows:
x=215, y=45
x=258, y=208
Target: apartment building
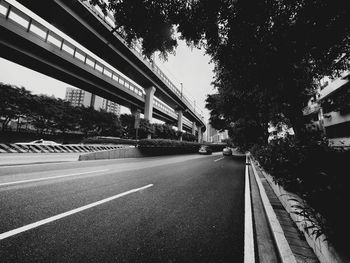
x=215, y=136
x=329, y=110
x=78, y=97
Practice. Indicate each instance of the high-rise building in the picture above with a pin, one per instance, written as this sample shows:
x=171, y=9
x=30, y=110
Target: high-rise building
x=111, y=106
x=216, y=136
x=78, y=97
x=329, y=112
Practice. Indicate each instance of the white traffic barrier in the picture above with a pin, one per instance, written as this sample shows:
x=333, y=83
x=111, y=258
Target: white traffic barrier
x=66, y=148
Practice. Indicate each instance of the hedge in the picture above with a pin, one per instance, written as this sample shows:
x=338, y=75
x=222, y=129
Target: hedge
x=318, y=174
x=163, y=146
x=108, y=140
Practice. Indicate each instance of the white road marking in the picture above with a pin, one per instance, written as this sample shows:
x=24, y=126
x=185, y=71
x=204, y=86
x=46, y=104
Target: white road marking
x=219, y=159
x=249, y=256
x=68, y=213
x=283, y=247
x=50, y=177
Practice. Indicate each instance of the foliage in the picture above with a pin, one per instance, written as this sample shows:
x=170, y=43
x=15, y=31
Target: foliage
x=316, y=173
x=316, y=225
x=108, y=140
x=166, y=143
x=189, y=137
x=164, y=131
x=178, y=145
x=147, y=21
x=51, y=115
x=15, y=102
x=267, y=54
x=244, y=133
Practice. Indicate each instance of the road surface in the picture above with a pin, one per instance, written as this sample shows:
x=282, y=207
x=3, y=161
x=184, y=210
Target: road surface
x=186, y=208
x=30, y=158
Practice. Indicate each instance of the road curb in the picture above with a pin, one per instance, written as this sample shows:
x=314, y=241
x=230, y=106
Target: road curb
x=284, y=250
x=323, y=250
x=249, y=254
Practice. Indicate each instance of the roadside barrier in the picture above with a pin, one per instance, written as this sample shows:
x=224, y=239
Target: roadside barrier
x=66, y=148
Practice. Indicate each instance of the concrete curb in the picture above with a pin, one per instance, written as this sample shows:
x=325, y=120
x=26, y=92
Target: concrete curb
x=75, y=148
x=249, y=254
x=284, y=250
x=324, y=251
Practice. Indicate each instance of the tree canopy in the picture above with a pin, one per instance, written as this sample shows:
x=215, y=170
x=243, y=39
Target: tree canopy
x=268, y=54
x=53, y=115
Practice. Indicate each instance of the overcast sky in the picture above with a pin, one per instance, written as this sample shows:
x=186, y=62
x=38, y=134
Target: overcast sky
x=189, y=66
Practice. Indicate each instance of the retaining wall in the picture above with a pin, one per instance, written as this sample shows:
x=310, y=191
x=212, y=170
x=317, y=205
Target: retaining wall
x=112, y=154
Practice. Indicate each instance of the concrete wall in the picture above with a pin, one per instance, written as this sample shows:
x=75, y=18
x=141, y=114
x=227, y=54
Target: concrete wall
x=112, y=154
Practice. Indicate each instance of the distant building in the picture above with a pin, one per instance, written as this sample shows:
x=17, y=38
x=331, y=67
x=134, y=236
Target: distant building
x=216, y=136
x=78, y=97
x=111, y=106
x=329, y=110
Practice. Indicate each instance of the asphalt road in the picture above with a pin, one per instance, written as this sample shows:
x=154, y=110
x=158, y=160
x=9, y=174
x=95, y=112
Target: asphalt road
x=162, y=209
x=30, y=158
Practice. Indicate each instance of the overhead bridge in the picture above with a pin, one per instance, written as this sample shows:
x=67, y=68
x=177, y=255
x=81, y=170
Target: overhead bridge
x=101, y=62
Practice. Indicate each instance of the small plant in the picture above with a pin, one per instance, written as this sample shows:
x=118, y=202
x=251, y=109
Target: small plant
x=313, y=222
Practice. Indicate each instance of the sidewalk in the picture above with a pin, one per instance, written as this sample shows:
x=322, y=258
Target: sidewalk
x=283, y=243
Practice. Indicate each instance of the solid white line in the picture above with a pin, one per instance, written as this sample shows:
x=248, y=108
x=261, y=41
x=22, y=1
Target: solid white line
x=50, y=178
x=283, y=247
x=68, y=213
x=249, y=256
x=219, y=159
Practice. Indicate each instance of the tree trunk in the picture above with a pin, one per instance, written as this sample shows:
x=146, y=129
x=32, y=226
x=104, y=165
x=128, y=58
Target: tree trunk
x=298, y=124
x=5, y=123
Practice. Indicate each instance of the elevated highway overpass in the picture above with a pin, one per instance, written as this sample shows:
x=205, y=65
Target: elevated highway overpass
x=141, y=86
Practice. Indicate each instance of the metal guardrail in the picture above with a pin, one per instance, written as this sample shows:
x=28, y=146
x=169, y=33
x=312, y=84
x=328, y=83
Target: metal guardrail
x=109, y=21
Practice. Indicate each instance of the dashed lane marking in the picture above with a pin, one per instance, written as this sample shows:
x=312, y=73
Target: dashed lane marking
x=68, y=213
x=219, y=159
x=50, y=177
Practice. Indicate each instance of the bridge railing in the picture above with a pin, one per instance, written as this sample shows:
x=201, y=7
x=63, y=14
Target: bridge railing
x=59, y=44
x=187, y=122
x=165, y=108
x=110, y=22
x=29, y=25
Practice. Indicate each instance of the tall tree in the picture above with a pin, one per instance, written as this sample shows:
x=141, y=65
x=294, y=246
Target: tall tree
x=275, y=49
x=15, y=102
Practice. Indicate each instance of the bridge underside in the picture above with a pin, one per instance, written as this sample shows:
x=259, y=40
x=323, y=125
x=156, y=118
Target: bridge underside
x=25, y=51
x=81, y=24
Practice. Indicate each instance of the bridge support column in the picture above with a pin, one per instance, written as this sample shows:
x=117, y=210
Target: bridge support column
x=199, y=134
x=179, y=122
x=194, y=128
x=149, y=103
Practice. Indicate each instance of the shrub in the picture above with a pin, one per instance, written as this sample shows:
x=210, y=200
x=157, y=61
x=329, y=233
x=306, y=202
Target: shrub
x=108, y=140
x=318, y=174
x=176, y=146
